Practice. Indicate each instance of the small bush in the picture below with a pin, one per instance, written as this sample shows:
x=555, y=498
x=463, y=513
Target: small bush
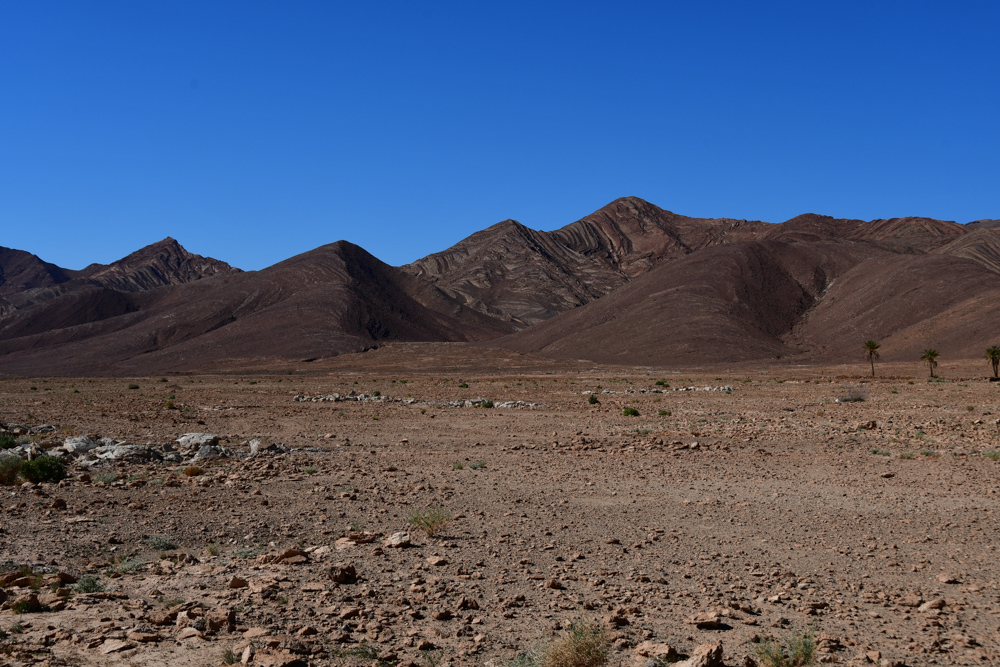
x=583, y=645
x=662, y=413
x=89, y=584
x=477, y=465
x=7, y=441
x=630, y=412
x=879, y=452
x=160, y=543
x=310, y=470
x=970, y=408
x=457, y=465
x=106, y=477
x=129, y=565
x=907, y=456
x=486, y=404
x=854, y=394
x=928, y=452
x=662, y=383
x=26, y=607
x=212, y=549
x=431, y=521
x=193, y=471
x=592, y=399
x=464, y=385
x=992, y=455
x=43, y=469
x=169, y=405
x=133, y=386
x=797, y=650
x=10, y=466
x=229, y=657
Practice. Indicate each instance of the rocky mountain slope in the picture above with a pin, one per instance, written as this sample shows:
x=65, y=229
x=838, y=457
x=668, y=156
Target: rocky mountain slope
x=629, y=284
x=335, y=299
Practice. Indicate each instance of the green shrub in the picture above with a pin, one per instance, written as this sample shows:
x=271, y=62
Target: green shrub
x=43, y=469
x=477, y=465
x=797, y=650
x=133, y=386
x=129, y=565
x=457, y=465
x=160, y=543
x=880, y=452
x=10, y=466
x=310, y=470
x=592, y=399
x=431, y=521
x=630, y=412
x=7, y=441
x=993, y=455
x=463, y=386
x=89, y=584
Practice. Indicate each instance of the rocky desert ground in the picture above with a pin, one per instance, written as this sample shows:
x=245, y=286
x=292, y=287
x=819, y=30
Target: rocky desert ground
x=739, y=504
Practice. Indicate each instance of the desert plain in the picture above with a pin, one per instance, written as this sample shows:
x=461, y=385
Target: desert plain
x=742, y=502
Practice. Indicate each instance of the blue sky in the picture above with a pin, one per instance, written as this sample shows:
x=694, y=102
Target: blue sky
x=253, y=131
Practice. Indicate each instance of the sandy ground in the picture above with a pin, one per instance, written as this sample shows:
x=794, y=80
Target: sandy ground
x=762, y=511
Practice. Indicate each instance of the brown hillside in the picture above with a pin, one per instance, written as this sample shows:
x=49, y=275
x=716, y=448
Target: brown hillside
x=331, y=300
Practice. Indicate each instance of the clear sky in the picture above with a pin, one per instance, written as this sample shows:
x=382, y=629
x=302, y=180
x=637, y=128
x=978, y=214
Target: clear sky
x=252, y=131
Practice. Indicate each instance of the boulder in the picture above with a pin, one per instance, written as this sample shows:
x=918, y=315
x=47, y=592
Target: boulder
x=212, y=452
x=195, y=441
x=78, y=444
x=397, y=540
x=343, y=573
x=706, y=655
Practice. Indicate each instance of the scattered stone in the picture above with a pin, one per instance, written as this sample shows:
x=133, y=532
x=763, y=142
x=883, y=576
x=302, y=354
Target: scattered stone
x=437, y=561
x=211, y=452
x=705, y=620
x=648, y=650
x=947, y=578
x=931, y=605
x=706, y=655
x=343, y=573
x=115, y=646
x=398, y=540
x=282, y=659
x=236, y=582
x=195, y=441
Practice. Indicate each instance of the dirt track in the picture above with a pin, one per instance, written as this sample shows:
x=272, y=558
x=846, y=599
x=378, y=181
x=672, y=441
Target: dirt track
x=764, y=508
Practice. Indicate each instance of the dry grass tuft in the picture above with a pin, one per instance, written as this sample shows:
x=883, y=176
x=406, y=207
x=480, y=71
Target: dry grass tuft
x=583, y=645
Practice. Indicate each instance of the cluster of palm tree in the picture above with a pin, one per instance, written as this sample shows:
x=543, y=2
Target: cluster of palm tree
x=930, y=355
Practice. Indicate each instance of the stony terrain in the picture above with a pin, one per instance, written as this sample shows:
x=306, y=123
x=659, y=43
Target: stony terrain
x=753, y=503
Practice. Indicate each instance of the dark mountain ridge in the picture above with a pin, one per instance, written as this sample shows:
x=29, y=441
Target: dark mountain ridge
x=630, y=283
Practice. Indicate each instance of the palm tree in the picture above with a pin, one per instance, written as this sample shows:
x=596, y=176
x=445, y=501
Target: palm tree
x=871, y=352
x=930, y=355
x=993, y=354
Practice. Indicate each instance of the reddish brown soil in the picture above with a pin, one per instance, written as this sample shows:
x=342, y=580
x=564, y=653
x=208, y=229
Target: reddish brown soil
x=781, y=519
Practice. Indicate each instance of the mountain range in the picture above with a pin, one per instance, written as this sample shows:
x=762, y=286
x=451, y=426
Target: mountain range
x=629, y=284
